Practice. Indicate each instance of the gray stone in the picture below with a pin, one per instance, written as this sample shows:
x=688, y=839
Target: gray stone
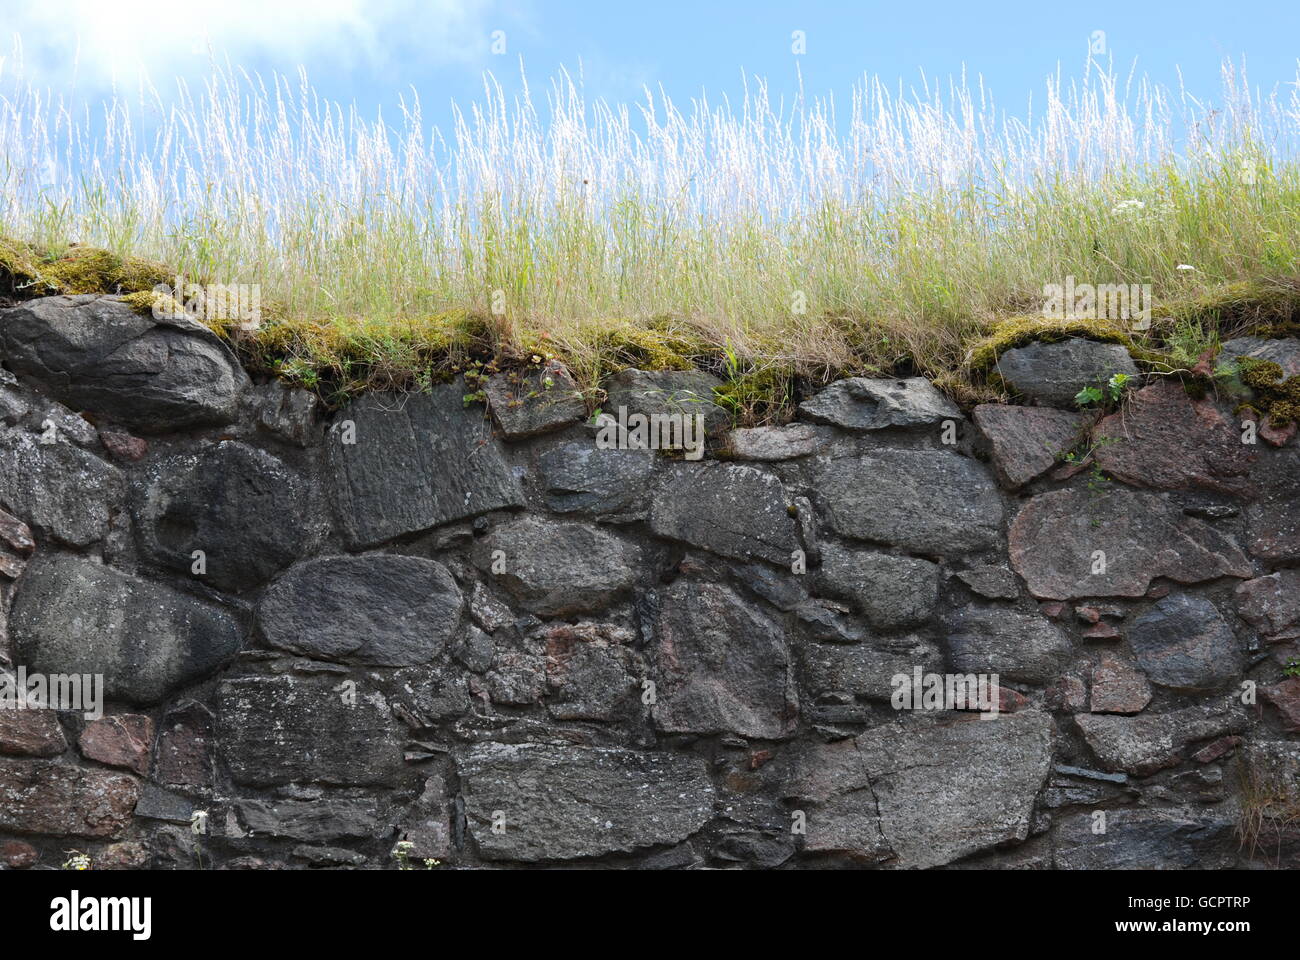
x=731, y=510
x=688, y=392
x=418, y=461
x=891, y=592
x=60, y=490
x=558, y=568
x=47, y=797
x=425, y=827
x=773, y=443
x=721, y=665
x=532, y=402
x=380, y=609
x=924, y=793
x=1284, y=352
x=72, y=615
x=924, y=501
x=992, y=582
x=1272, y=605
x=287, y=413
x=1184, y=643
x=562, y=803
x=1058, y=539
x=592, y=672
x=309, y=821
x=863, y=404
x=96, y=353
x=1169, y=839
x=249, y=514
x=610, y=485
x=865, y=669
x=1017, y=646
x=1053, y=373
x=278, y=730
x=1273, y=519
x=1029, y=441
x=1150, y=742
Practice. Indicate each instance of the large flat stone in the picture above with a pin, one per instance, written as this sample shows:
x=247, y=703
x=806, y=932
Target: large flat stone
x=527, y=403
x=924, y=501
x=1165, y=440
x=1150, y=742
x=1165, y=839
x=864, y=404
x=380, y=609
x=57, y=488
x=318, y=821
x=1016, y=646
x=249, y=513
x=722, y=666
x=562, y=803
x=731, y=510
x=278, y=730
x=45, y=797
x=609, y=485
x=1058, y=539
x=891, y=592
x=865, y=669
x=647, y=392
x=418, y=461
x=96, y=353
x=556, y=567
x=1183, y=642
x=1054, y=373
x=72, y=615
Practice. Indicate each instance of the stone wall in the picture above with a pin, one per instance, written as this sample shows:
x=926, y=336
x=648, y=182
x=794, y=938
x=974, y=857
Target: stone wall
x=486, y=637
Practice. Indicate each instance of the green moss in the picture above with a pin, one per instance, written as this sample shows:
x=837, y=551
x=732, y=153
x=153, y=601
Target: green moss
x=1259, y=374
x=1265, y=308
x=1020, y=331
x=757, y=396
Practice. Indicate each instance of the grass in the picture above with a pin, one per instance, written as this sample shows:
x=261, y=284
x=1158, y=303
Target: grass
x=776, y=245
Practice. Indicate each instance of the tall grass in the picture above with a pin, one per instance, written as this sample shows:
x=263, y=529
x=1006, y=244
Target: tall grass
x=890, y=233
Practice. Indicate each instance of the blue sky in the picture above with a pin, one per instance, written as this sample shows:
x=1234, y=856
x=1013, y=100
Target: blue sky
x=368, y=51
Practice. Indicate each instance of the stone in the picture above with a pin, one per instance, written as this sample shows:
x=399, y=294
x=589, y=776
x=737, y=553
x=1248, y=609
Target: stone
x=379, y=609
x=1029, y=441
x=721, y=666
x=564, y=803
x=1144, y=839
x=1271, y=605
x=16, y=855
x=47, y=797
x=60, y=490
x=866, y=669
x=315, y=821
x=517, y=679
x=425, y=827
x=1056, y=537
x=1184, y=643
x=1284, y=352
x=122, y=740
x=71, y=615
x=123, y=446
x=891, y=592
x=97, y=353
x=1013, y=645
x=186, y=752
x=991, y=582
x=1216, y=749
x=862, y=404
x=277, y=730
x=158, y=804
x=557, y=568
x=688, y=392
x=608, y=485
x=536, y=401
x=1067, y=694
x=728, y=509
x=249, y=514
x=592, y=672
x=129, y=855
x=773, y=443
x=923, y=501
x=1117, y=687
x=1053, y=373
x=286, y=413
x=1285, y=697
x=923, y=793
x=1273, y=519
x=16, y=535
x=1165, y=440
x=1151, y=742
x=31, y=732
x=415, y=461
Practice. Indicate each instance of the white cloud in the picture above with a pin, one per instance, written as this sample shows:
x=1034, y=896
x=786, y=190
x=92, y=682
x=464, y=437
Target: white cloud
x=91, y=43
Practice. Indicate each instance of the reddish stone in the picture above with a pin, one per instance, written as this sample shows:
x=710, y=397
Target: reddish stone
x=32, y=733
x=758, y=758
x=122, y=740
x=1164, y=439
x=1268, y=431
x=1215, y=749
x=1052, y=610
x=184, y=756
x=17, y=855
x=1118, y=687
x=1272, y=605
x=11, y=566
x=1100, y=631
x=1285, y=696
x=42, y=796
x=123, y=446
x=1087, y=614
x=128, y=855
x=1009, y=701
x=1067, y=695
x=1158, y=591
x=16, y=535
x=1029, y=441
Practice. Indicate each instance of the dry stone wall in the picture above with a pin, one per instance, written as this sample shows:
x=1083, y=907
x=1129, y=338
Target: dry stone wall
x=414, y=629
